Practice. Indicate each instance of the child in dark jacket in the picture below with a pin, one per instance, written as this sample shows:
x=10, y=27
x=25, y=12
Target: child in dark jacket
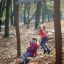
x=44, y=39
x=31, y=51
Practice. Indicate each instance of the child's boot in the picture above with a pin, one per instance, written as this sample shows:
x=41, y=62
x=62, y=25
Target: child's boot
x=45, y=51
x=21, y=63
x=27, y=62
x=48, y=51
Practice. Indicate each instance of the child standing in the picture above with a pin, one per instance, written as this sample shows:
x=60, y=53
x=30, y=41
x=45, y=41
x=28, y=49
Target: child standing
x=31, y=51
x=44, y=39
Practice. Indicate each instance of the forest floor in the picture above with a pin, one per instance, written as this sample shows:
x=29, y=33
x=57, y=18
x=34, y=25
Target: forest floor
x=8, y=46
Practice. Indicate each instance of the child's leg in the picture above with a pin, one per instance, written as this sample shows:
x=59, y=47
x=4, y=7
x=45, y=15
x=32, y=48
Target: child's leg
x=25, y=58
x=45, y=49
x=43, y=44
x=46, y=46
x=43, y=41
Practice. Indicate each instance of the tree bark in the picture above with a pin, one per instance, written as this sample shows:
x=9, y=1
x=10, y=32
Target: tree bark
x=25, y=15
x=37, y=16
x=28, y=15
x=7, y=18
x=0, y=24
x=44, y=11
x=58, y=35
x=2, y=8
x=16, y=10
x=12, y=22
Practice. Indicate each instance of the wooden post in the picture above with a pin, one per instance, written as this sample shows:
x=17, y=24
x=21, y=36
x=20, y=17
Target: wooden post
x=16, y=5
x=58, y=35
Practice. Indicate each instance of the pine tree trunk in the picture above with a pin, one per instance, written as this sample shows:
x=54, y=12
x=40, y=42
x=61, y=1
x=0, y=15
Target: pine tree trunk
x=12, y=22
x=28, y=16
x=0, y=24
x=37, y=18
x=44, y=11
x=7, y=19
x=2, y=8
x=0, y=14
x=16, y=5
x=58, y=35
x=48, y=16
x=24, y=14
x=14, y=11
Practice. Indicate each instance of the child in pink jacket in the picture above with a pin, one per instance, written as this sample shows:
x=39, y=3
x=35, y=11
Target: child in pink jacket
x=31, y=51
x=44, y=39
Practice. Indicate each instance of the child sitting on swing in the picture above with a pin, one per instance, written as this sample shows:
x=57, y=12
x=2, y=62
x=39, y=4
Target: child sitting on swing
x=44, y=38
x=31, y=51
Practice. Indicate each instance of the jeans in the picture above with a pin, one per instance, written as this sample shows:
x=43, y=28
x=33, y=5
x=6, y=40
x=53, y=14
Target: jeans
x=26, y=55
x=44, y=40
x=43, y=43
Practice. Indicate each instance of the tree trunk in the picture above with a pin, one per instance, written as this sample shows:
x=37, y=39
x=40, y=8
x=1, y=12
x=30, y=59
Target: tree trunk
x=58, y=35
x=7, y=18
x=14, y=11
x=28, y=16
x=37, y=18
x=12, y=22
x=24, y=14
x=44, y=11
x=1, y=13
x=48, y=15
x=0, y=24
x=16, y=5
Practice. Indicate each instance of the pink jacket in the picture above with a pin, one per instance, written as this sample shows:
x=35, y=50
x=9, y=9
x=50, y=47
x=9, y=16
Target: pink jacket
x=42, y=33
x=33, y=48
